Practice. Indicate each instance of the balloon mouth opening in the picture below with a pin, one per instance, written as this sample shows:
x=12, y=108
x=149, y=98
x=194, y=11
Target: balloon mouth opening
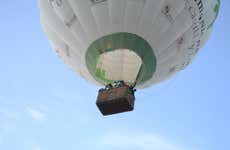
x=101, y=58
x=120, y=64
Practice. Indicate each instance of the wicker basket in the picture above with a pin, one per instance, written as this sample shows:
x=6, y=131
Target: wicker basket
x=115, y=100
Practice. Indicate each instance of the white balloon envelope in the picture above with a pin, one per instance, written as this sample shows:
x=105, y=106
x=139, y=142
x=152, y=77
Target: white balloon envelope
x=142, y=41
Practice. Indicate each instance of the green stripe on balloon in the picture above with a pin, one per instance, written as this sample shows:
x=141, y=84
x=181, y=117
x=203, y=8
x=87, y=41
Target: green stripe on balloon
x=116, y=41
x=216, y=9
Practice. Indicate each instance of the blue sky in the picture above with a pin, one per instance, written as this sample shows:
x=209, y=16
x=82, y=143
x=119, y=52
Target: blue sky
x=45, y=106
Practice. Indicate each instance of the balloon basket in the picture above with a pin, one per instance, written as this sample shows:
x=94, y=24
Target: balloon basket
x=114, y=100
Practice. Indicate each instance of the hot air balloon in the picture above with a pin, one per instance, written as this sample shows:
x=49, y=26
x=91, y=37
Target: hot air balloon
x=127, y=44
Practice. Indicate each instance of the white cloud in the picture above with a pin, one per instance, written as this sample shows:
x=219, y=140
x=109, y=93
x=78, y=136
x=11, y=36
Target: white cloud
x=37, y=115
x=37, y=148
x=132, y=140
